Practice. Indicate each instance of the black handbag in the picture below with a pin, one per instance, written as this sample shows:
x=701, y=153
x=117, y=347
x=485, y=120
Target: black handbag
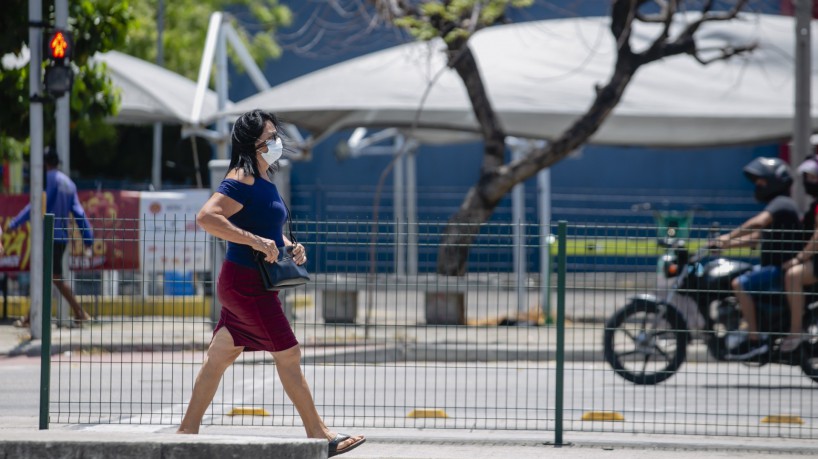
x=284, y=273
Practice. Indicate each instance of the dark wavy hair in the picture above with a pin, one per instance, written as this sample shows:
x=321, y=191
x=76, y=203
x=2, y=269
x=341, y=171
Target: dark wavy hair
x=246, y=132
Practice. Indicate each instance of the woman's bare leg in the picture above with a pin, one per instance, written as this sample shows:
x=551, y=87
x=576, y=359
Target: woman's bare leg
x=288, y=365
x=65, y=290
x=221, y=353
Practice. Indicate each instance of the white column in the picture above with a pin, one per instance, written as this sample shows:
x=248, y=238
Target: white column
x=221, y=91
x=544, y=198
x=518, y=220
x=412, y=210
x=398, y=175
x=803, y=69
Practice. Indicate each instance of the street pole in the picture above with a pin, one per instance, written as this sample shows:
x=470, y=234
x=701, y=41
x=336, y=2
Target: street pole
x=221, y=90
x=803, y=69
x=156, y=165
x=63, y=144
x=398, y=194
x=63, y=106
x=518, y=152
x=35, y=43
x=544, y=199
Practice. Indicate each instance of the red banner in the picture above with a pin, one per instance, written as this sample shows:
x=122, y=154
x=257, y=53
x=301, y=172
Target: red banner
x=114, y=217
x=15, y=243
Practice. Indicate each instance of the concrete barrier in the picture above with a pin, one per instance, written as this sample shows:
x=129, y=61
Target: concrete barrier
x=47, y=444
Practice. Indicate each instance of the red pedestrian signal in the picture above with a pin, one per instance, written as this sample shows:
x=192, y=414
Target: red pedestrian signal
x=58, y=45
x=59, y=77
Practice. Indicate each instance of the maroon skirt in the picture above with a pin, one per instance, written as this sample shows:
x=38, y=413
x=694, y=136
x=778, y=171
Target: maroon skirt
x=252, y=314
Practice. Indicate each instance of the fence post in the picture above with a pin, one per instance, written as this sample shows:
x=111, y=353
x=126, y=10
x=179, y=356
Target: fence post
x=45, y=347
x=560, y=377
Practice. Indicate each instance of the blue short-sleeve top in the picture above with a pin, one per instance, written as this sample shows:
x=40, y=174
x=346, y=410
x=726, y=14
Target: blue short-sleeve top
x=263, y=214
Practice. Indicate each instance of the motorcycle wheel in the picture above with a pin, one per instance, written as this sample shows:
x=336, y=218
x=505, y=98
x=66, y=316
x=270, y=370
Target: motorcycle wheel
x=645, y=342
x=809, y=348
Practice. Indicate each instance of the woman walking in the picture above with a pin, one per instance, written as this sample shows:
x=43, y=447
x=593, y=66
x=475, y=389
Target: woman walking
x=248, y=212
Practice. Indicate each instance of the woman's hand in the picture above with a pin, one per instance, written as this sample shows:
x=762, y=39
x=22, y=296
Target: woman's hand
x=267, y=247
x=299, y=254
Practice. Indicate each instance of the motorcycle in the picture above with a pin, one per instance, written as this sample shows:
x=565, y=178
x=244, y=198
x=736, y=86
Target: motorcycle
x=645, y=342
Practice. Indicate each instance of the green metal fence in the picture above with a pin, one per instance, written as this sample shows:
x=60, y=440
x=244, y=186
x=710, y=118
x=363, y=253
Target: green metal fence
x=385, y=346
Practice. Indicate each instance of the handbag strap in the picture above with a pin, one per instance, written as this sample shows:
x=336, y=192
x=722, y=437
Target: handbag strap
x=289, y=224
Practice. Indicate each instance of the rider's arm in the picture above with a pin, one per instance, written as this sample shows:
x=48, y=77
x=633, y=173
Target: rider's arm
x=810, y=247
x=748, y=234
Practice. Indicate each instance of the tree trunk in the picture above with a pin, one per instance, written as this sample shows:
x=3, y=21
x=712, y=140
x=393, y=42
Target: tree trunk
x=497, y=181
x=460, y=231
x=476, y=207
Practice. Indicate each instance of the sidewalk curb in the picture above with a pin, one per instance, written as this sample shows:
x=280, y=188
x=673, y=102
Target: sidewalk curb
x=709, y=444
x=59, y=444
x=384, y=353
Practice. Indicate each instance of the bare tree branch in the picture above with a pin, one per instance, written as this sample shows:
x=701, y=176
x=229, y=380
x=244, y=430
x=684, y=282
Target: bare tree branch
x=662, y=16
x=669, y=11
x=608, y=95
x=723, y=53
x=709, y=16
x=475, y=18
x=685, y=42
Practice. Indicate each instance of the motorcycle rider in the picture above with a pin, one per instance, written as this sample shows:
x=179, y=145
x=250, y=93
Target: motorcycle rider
x=776, y=230
x=801, y=270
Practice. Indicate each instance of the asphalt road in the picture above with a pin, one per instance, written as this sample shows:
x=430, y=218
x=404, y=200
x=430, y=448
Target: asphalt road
x=152, y=389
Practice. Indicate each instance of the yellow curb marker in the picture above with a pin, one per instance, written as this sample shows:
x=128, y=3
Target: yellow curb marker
x=782, y=419
x=427, y=413
x=301, y=301
x=248, y=411
x=602, y=416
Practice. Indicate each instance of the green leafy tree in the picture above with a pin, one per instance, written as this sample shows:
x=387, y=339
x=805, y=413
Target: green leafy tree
x=128, y=26
x=98, y=25
x=185, y=29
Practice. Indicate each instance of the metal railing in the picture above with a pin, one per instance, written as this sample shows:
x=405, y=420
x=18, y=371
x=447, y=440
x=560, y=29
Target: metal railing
x=422, y=350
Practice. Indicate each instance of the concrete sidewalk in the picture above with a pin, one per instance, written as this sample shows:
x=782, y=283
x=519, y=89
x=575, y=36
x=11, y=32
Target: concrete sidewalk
x=105, y=441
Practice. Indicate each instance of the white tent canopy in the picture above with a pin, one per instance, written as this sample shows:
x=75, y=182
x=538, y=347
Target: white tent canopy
x=151, y=93
x=541, y=76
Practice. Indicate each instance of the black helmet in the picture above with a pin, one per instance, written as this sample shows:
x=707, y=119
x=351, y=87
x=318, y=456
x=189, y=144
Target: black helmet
x=775, y=172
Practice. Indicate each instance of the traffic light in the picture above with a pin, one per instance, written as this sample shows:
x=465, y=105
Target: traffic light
x=59, y=47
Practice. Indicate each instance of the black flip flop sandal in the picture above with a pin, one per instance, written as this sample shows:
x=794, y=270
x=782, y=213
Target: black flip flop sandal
x=333, y=445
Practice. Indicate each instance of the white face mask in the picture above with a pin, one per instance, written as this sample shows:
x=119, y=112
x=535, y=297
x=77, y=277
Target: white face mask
x=274, y=151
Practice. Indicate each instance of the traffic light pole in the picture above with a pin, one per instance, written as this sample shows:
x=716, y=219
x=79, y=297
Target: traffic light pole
x=63, y=102
x=63, y=140
x=35, y=46
x=156, y=164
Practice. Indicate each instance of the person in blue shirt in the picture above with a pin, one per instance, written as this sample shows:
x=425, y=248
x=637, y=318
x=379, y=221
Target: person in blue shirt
x=62, y=201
